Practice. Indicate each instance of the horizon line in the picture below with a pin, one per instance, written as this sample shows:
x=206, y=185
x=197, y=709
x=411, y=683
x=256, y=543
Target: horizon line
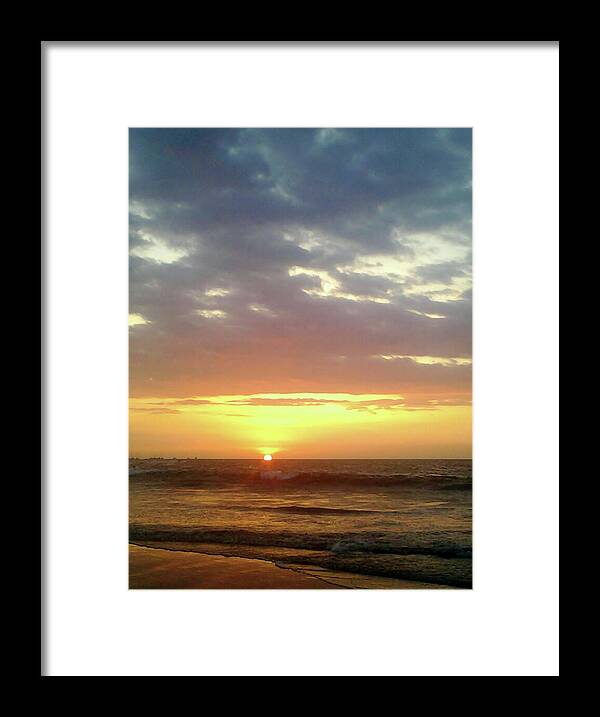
x=198, y=458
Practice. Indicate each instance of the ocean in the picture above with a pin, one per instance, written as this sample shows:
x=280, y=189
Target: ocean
x=355, y=523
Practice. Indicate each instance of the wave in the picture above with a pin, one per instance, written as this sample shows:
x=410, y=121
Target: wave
x=318, y=510
x=437, y=544
x=439, y=564
x=256, y=478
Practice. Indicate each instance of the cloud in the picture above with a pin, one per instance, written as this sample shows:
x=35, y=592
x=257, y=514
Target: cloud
x=165, y=410
x=286, y=260
x=190, y=402
x=371, y=404
x=137, y=320
x=259, y=401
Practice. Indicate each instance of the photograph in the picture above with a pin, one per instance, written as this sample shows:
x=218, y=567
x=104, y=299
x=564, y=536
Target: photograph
x=300, y=409
x=300, y=358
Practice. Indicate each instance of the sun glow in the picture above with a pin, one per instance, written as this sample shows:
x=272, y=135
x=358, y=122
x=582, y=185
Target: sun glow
x=267, y=457
x=304, y=425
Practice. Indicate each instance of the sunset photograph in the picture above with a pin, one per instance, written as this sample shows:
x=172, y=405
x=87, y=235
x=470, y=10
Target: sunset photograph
x=300, y=413
x=300, y=358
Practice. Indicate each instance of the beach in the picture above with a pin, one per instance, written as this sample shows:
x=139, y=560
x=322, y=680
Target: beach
x=300, y=524
x=156, y=568
x=160, y=568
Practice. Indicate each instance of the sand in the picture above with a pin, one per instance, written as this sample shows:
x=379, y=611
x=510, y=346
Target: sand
x=155, y=568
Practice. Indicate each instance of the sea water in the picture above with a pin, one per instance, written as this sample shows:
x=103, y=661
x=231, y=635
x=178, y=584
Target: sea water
x=378, y=519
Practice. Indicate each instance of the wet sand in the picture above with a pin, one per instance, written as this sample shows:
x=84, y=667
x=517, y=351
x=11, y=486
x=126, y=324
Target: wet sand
x=155, y=568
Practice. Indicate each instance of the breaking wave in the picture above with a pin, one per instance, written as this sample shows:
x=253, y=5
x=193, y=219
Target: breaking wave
x=190, y=476
x=408, y=544
x=436, y=563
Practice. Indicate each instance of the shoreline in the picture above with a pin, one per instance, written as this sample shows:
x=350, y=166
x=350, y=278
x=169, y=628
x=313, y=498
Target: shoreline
x=153, y=567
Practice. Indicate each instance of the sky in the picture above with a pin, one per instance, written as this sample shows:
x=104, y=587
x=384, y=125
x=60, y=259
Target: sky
x=300, y=292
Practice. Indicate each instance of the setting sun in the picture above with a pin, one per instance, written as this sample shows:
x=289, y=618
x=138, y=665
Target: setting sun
x=267, y=457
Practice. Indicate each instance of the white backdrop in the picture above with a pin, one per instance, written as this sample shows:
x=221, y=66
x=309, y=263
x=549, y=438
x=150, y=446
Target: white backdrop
x=507, y=625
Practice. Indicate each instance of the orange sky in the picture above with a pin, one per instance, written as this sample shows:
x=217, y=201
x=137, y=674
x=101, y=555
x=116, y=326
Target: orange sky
x=333, y=426
x=305, y=293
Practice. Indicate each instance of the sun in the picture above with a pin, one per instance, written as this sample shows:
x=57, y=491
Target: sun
x=267, y=457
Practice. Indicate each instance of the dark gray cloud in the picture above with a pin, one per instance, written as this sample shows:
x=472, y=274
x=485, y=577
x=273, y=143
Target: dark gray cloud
x=291, y=260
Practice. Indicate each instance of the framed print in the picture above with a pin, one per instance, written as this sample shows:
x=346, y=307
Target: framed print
x=300, y=410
